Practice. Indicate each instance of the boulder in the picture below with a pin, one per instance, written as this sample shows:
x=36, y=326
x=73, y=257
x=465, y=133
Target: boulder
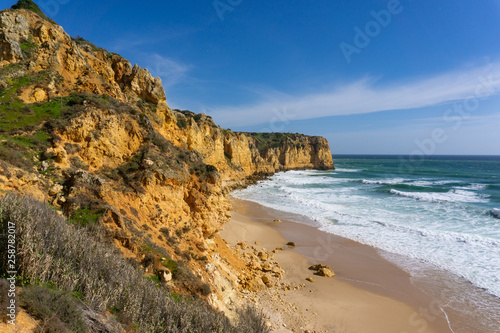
x=202, y=246
x=45, y=166
x=164, y=274
x=59, y=154
x=112, y=215
x=326, y=272
x=255, y=284
x=54, y=189
x=267, y=267
x=263, y=256
x=267, y=280
x=322, y=270
x=254, y=264
x=316, y=267
x=4, y=84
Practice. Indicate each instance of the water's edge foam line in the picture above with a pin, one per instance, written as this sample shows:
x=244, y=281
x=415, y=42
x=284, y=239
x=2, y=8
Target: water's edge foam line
x=447, y=319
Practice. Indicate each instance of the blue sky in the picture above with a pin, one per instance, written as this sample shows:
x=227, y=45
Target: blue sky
x=379, y=77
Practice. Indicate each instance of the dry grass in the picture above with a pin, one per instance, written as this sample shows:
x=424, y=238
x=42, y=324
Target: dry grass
x=57, y=311
x=75, y=259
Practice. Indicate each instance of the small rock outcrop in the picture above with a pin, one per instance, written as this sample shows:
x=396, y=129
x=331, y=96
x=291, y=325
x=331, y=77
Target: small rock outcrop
x=322, y=270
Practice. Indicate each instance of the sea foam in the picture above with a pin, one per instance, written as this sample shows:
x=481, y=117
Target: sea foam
x=447, y=227
x=450, y=196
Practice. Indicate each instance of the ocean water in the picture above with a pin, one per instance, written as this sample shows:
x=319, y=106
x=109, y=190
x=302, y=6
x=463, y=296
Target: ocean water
x=443, y=211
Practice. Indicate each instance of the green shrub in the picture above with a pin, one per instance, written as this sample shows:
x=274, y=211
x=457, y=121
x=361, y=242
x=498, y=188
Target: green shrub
x=28, y=48
x=171, y=265
x=17, y=115
x=15, y=154
x=165, y=231
x=82, y=41
x=197, y=117
x=205, y=289
x=55, y=309
x=181, y=123
x=30, y=5
x=85, y=216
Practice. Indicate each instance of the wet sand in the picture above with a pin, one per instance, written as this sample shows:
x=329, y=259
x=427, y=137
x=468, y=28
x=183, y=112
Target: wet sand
x=368, y=294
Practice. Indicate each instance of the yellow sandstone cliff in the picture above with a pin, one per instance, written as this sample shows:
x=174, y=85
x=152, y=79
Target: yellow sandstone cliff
x=85, y=130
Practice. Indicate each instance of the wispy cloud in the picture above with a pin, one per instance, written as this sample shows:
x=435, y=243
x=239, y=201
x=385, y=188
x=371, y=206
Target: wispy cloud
x=136, y=39
x=134, y=44
x=170, y=71
x=366, y=96
x=130, y=42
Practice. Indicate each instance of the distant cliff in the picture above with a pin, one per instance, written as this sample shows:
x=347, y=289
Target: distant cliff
x=238, y=155
x=85, y=130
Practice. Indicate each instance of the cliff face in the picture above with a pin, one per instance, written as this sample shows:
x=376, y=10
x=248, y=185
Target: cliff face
x=239, y=155
x=93, y=135
x=72, y=65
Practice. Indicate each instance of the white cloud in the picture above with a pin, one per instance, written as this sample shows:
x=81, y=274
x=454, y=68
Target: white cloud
x=129, y=40
x=366, y=96
x=133, y=43
x=170, y=71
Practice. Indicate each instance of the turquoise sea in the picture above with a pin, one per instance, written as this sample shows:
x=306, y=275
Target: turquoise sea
x=440, y=212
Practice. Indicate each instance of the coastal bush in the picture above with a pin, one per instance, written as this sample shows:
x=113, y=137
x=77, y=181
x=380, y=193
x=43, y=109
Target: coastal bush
x=15, y=154
x=28, y=48
x=76, y=259
x=165, y=231
x=264, y=141
x=250, y=320
x=30, y=5
x=58, y=311
x=85, y=216
x=82, y=41
x=17, y=115
x=205, y=289
x=181, y=123
x=19, y=150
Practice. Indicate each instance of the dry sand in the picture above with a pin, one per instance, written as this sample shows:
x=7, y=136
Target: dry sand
x=367, y=295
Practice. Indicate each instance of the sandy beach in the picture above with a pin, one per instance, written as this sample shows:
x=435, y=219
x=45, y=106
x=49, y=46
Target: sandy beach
x=368, y=293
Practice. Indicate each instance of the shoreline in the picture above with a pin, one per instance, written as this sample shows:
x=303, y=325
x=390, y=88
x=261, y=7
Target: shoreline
x=447, y=301
x=368, y=293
